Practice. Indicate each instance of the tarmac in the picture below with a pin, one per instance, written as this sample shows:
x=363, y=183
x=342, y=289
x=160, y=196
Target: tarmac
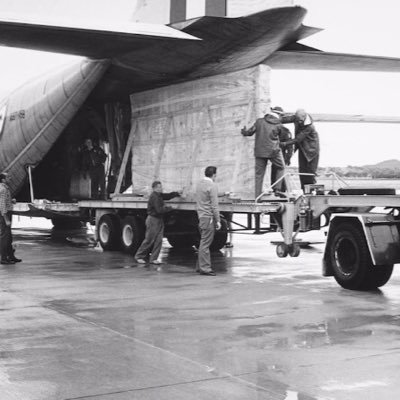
x=80, y=323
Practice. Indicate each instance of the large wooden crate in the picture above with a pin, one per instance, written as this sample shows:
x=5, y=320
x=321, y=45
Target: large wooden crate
x=179, y=130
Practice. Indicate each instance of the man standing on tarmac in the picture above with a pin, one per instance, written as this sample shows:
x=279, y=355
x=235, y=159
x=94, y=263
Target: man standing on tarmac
x=154, y=224
x=6, y=206
x=209, y=219
x=307, y=141
x=267, y=147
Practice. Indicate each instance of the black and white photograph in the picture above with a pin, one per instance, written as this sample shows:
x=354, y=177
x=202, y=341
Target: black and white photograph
x=199, y=200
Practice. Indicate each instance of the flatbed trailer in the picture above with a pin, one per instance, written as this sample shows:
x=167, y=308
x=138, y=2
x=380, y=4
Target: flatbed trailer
x=363, y=238
x=361, y=248
x=120, y=222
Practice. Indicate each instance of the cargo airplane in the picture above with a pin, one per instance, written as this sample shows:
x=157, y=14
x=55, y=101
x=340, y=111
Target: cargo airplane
x=43, y=123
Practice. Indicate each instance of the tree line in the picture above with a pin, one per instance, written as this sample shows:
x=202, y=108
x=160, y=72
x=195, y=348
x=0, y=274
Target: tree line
x=364, y=172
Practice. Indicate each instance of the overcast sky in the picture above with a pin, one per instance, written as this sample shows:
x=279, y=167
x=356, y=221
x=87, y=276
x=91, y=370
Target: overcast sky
x=354, y=26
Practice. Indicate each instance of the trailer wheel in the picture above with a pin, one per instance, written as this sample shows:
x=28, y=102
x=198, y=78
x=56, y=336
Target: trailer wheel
x=351, y=261
x=220, y=237
x=294, y=250
x=380, y=275
x=282, y=250
x=108, y=232
x=132, y=234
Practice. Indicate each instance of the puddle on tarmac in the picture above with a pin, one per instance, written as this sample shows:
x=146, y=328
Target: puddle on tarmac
x=258, y=330
x=343, y=330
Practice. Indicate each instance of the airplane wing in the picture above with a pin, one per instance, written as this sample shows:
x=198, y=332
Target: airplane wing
x=226, y=45
x=94, y=40
x=356, y=118
x=298, y=56
x=147, y=56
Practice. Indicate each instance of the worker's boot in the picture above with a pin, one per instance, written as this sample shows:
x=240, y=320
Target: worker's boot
x=6, y=261
x=13, y=258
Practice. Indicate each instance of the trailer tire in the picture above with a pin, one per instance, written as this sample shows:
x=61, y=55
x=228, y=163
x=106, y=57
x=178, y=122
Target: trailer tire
x=109, y=232
x=379, y=275
x=132, y=234
x=351, y=260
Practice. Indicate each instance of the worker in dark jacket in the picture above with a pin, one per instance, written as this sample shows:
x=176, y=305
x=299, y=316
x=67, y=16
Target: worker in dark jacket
x=6, y=208
x=267, y=147
x=287, y=153
x=154, y=224
x=93, y=159
x=306, y=140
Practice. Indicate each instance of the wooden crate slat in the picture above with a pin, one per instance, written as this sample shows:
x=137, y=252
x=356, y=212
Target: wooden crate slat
x=184, y=128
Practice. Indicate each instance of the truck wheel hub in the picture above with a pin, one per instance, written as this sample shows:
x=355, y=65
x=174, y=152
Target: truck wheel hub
x=346, y=256
x=127, y=235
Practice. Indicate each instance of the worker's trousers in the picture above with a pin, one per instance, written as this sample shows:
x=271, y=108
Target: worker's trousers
x=152, y=242
x=261, y=165
x=6, y=249
x=274, y=179
x=207, y=232
x=309, y=167
x=97, y=182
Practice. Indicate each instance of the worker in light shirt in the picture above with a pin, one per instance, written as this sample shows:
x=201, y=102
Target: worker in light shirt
x=209, y=218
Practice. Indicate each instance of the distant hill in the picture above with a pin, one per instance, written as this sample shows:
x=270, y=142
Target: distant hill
x=392, y=164
x=383, y=169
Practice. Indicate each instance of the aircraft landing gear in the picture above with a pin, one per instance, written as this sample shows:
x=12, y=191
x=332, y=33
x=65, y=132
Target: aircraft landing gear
x=294, y=250
x=283, y=250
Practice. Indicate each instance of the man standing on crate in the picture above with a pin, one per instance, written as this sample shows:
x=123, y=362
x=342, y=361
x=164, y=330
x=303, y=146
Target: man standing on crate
x=306, y=140
x=267, y=147
x=287, y=151
x=209, y=218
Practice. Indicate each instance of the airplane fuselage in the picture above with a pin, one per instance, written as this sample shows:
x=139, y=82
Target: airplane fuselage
x=35, y=115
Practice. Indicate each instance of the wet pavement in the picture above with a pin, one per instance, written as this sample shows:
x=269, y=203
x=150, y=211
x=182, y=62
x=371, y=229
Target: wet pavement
x=78, y=323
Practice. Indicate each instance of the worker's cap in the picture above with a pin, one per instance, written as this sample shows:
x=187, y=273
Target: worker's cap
x=301, y=113
x=277, y=108
x=273, y=114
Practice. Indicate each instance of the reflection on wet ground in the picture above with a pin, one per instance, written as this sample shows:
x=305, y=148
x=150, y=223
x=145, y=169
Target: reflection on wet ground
x=81, y=323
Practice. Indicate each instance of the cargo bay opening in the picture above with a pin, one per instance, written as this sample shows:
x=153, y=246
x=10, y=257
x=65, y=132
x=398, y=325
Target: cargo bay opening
x=170, y=133
x=60, y=176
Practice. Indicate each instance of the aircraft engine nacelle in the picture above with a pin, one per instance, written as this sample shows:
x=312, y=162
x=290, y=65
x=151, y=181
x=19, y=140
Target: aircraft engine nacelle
x=34, y=116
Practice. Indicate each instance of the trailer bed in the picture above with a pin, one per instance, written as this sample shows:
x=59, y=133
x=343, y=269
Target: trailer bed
x=139, y=203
